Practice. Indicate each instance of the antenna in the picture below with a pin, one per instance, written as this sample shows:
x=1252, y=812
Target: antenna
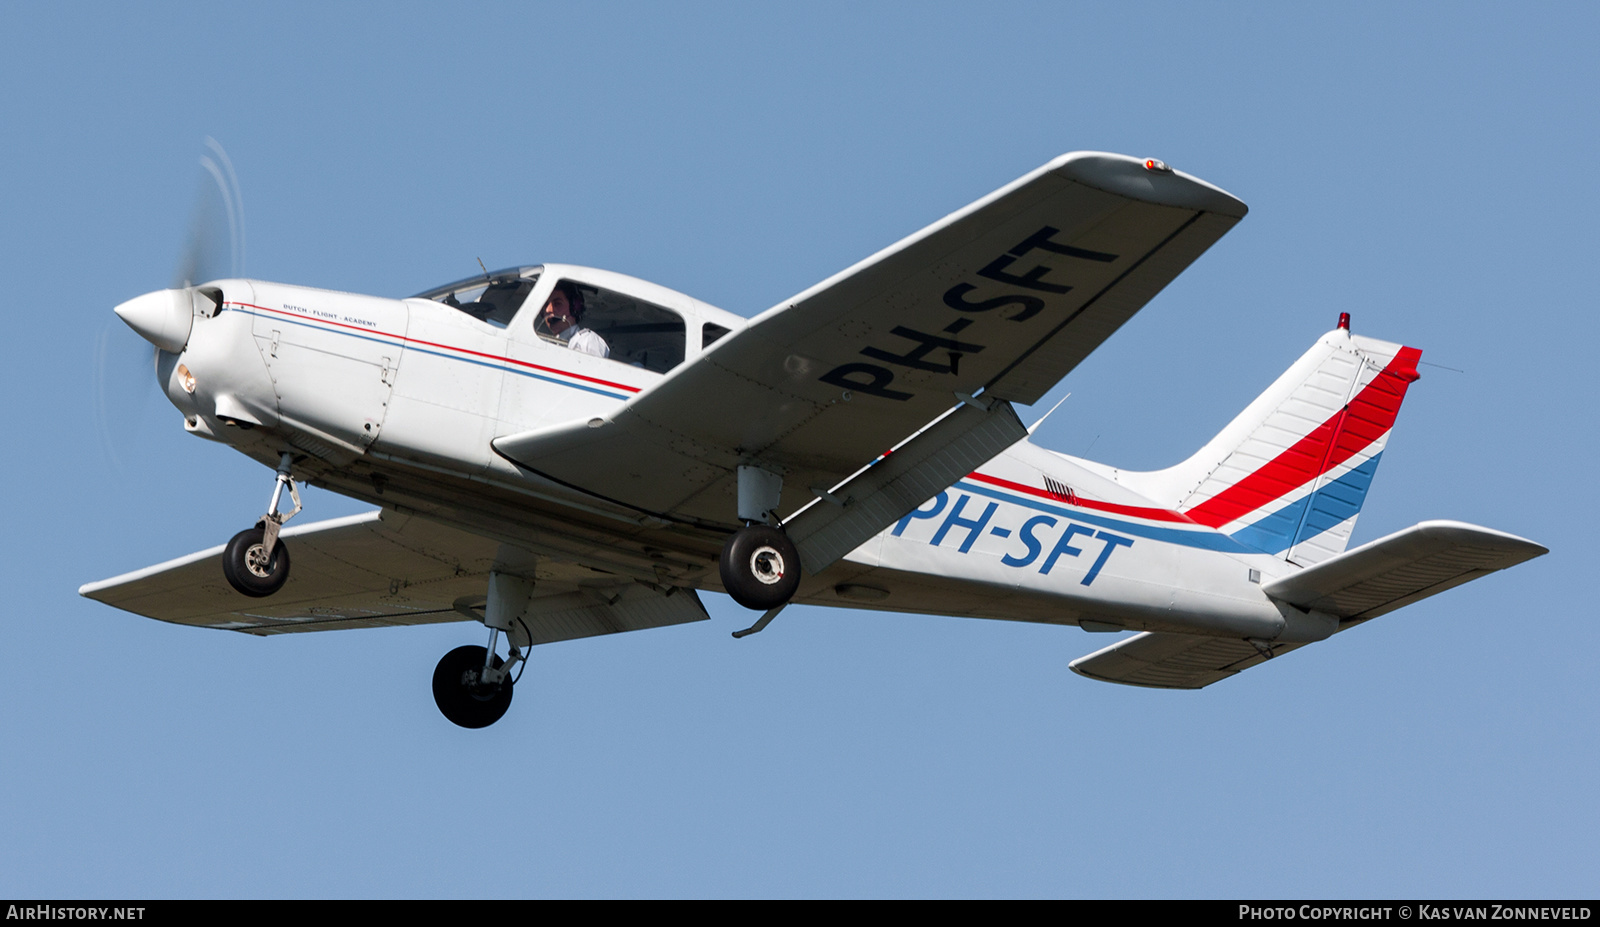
x=1035, y=426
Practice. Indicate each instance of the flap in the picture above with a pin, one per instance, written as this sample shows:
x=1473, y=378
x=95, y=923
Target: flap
x=1004, y=297
x=916, y=471
x=1402, y=568
x=383, y=569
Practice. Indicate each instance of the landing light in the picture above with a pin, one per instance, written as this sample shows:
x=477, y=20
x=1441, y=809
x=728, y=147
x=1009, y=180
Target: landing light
x=185, y=378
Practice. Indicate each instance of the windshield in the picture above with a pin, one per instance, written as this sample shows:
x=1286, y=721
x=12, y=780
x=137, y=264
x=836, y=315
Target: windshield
x=492, y=298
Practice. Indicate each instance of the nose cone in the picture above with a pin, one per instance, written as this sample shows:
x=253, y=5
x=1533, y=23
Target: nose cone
x=162, y=318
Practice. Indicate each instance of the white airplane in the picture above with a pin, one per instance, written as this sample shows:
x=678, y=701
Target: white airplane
x=558, y=452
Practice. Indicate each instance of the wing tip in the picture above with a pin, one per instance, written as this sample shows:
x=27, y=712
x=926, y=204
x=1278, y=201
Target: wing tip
x=1461, y=530
x=1129, y=176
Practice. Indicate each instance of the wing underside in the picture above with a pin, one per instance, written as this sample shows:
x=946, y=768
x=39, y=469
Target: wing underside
x=384, y=569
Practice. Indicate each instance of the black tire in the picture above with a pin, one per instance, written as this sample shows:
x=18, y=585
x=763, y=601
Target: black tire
x=760, y=567
x=248, y=570
x=460, y=697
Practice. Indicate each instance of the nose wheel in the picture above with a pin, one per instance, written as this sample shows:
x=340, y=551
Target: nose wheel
x=250, y=568
x=255, y=562
x=760, y=567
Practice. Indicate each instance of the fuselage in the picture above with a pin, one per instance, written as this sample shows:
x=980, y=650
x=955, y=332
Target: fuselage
x=396, y=402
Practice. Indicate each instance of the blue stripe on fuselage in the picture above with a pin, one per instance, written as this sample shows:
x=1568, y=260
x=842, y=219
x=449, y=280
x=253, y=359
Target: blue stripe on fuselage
x=399, y=342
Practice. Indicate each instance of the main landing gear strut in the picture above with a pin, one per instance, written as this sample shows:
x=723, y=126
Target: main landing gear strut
x=255, y=562
x=760, y=567
x=472, y=685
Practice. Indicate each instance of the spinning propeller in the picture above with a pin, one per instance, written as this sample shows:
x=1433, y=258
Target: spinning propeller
x=213, y=250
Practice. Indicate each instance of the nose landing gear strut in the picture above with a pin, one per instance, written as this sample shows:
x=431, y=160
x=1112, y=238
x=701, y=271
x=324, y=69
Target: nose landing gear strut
x=255, y=562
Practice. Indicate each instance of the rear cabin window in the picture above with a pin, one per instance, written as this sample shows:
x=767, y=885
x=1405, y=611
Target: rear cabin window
x=711, y=332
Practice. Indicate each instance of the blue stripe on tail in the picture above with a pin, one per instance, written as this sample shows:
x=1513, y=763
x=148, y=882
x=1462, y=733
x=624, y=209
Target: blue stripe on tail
x=1323, y=510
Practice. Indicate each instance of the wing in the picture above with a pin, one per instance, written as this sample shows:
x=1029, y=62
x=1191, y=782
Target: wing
x=1357, y=585
x=383, y=569
x=999, y=301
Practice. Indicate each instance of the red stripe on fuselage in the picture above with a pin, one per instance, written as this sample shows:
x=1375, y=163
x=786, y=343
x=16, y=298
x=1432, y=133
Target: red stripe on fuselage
x=1136, y=511
x=447, y=347
x=1365, y=419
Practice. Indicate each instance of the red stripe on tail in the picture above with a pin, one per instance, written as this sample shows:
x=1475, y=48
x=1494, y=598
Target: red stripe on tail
x=1365, y=419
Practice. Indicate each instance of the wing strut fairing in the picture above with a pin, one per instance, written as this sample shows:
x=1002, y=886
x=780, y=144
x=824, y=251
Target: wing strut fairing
x=918, y=470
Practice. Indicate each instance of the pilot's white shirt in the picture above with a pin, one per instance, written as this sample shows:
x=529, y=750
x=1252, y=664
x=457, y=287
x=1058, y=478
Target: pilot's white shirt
x=582, y=339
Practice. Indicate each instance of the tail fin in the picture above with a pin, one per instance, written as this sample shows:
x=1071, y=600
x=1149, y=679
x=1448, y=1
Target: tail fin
x=1289, y=474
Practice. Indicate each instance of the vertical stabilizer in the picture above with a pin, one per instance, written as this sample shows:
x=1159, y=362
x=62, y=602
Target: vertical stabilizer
x=1289, y=475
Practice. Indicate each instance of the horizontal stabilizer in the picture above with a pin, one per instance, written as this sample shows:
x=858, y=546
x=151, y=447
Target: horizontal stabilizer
x=1356, y=585
x=1174, y=661
x=1402, y=568
x=382, y=569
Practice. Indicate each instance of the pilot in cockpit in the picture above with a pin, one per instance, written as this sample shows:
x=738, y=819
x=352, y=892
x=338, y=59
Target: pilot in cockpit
x=563, y=315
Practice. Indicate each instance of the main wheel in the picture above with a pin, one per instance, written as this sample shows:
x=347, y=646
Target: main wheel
x=248, y=568
x=760, y=567
x=464, y=700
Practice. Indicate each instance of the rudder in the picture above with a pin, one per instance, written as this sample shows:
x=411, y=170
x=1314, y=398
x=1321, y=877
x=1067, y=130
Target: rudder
x=1288, y=476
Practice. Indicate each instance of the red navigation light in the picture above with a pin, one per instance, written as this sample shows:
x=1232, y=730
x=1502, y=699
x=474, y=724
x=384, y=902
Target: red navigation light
x=1151, y=164
x=1344, y=321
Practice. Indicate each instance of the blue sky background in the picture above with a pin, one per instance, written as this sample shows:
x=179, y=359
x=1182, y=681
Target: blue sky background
x=1431, y=169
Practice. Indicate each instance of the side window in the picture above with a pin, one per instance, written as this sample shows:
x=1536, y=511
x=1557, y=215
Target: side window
x=611, y=324
x=709, y=333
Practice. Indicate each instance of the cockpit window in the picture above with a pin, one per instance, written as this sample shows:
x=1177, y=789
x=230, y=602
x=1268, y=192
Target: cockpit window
x=492, y=298
x=611, y=324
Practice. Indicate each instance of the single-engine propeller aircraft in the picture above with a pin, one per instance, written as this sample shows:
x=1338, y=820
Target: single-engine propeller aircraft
x=558, y=452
